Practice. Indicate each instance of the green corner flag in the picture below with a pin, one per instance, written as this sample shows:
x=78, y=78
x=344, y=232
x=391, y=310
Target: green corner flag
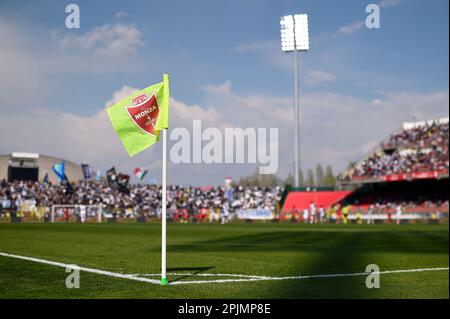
x=139, y=118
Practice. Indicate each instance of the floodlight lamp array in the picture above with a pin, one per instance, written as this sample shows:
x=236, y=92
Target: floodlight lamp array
x=294, y=33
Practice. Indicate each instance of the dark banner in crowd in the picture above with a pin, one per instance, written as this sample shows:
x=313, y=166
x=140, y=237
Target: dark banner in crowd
x=87, y=171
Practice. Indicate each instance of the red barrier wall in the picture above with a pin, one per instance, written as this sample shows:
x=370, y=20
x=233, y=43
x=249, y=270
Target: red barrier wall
x=301, y=200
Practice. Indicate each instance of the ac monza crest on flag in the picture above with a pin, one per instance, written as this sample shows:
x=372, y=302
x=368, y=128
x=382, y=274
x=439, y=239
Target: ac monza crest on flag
x=144, y=112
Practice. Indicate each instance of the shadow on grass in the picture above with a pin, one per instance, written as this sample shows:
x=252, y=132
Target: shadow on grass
x=326, y=242
x=192, y=271
x=340, y=256
x=328, y=252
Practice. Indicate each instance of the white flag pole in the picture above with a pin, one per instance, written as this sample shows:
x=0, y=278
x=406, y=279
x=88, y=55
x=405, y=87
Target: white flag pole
x=164, y=209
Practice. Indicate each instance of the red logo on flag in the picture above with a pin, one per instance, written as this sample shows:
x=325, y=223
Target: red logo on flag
x=144, y=112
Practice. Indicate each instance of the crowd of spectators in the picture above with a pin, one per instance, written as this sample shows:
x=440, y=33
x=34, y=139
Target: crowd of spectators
x=413, y=201
x=422, y=136
x=138, y=198
x=423, y=148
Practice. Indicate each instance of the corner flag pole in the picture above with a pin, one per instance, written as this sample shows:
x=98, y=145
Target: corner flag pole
x=164, y=209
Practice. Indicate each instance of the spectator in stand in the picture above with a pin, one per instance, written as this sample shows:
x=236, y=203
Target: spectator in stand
x=423, y=148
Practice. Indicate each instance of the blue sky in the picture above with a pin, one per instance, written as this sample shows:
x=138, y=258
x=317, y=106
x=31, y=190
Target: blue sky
x=232, y=48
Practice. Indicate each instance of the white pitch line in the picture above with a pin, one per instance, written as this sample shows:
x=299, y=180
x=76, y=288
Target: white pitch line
x=310, y=276
x=91, y=270
x=246, y=278
x=205, y=275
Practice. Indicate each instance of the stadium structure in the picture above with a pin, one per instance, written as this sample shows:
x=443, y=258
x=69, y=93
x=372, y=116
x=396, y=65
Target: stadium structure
x=34, y=167
x=406, y=174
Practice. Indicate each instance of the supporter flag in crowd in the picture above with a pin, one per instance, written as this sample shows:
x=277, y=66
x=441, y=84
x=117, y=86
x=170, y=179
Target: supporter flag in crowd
x=111, y=176
x=140, y=173
x=123, y=179
x=139, y=118
x=87, y=171
x=230, y=194
x=98, y=176
x=122, y=182
x=67, y=185
x=59, y=170
x=46, y=178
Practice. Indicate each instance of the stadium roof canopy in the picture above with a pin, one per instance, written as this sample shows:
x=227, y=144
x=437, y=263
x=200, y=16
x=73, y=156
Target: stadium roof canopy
x=39, y=164
x=411, y=125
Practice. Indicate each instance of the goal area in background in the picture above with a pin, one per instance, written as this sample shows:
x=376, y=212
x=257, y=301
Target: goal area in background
x=76, y=214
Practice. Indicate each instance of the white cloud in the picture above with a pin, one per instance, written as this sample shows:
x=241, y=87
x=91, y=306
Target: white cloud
x=257, y=46
x=26, y=64
x=335, y=128
x=119, y=95
x=351, y=28
x=75, y=137
x=270, y=52
x=117, y=41
x=89, y=138
x=221, y=89
x=354, y=27
x=317, y=77
x=183, y=113
x=239, y=109
x=389, y=3
x=121, y=14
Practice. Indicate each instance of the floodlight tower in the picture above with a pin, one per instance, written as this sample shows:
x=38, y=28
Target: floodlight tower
x=294, y=38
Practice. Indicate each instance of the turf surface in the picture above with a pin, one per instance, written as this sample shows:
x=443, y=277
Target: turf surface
x=252, y=249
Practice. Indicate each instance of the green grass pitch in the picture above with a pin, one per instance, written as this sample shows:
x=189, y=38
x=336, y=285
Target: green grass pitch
x=250, y=249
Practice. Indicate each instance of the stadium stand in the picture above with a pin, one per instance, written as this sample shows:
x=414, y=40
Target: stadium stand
x=425, y=197
x=418, y=151
x=408, y=174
